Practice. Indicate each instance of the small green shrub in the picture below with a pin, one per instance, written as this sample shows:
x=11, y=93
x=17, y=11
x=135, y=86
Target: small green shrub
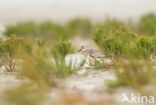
x=39, y=75
x=34, y=68
x=147, y=24
x=116, y=39
x=9, y=50
x=112, y=37
x=60, y=48
x=21, y=29
x=38, y=69
x=141, y=47
x=99, y=65
x=45, y=30
x=134, y=73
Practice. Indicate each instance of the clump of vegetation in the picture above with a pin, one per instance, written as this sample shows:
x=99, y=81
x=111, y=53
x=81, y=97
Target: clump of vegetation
x=98, y=65
x=134, y=73
x=141, y=47
x=36, y=68
x=38, y=75
x=116, y=39
x=130, y=51
x=60, y=49
x=147, y=24
x=40, y=72
x=8, y=51
x=21, y=29
x=45, y=30
x=82, y=27
x=112, y=37
x=49, y=30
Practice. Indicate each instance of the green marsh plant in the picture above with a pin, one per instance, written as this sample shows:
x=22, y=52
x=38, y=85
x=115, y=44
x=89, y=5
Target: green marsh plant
x=60, y=48
x=147, y=24
x=45, y=30
x=134, y=74
x=9, y=48
x=112, y=37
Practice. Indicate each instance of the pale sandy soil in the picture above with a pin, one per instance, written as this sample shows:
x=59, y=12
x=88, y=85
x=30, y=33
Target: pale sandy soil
x=7, y=81
x=89, y=81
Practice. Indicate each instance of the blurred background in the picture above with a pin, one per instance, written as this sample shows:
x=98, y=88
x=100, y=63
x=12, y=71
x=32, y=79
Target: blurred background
x=40, y=34
x=12, y=11
x=62, y=10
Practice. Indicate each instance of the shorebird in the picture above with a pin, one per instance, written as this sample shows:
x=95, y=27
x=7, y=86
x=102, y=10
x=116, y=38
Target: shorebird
x=76, y=60
x=153, y=57
x=81, y=49
x=97, y=56
x=85, y=58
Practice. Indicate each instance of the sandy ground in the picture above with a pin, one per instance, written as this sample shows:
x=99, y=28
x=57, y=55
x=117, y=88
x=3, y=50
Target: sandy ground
x=89, y=81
